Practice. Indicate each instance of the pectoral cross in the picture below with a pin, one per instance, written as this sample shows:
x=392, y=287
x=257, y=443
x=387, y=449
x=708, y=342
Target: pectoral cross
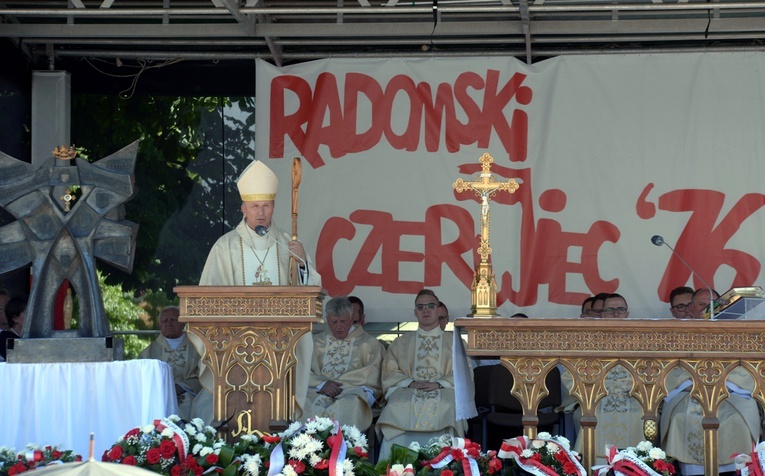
x=484, y=288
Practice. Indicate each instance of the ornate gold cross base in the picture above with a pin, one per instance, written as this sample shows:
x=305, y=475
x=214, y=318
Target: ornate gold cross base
x=484, y=291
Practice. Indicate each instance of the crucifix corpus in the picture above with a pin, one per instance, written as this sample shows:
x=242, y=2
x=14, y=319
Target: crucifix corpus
x=484, y=288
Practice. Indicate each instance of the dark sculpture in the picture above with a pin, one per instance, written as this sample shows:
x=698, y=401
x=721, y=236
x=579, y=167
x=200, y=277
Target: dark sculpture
x=61, y=237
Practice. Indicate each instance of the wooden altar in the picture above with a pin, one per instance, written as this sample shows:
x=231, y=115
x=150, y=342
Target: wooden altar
x=648, y=349
x=252, y=338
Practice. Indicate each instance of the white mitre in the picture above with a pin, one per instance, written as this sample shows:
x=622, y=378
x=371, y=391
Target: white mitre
x=257, y=183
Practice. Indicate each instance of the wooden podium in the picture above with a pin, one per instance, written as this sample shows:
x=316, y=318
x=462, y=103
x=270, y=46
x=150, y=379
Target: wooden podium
x=250, y=337
x=648, y=349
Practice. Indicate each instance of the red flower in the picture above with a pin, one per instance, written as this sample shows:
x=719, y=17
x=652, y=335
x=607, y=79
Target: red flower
x=129, y=460
x=153, y=455
x=457, y=454
x=115, y=453
x=323, y=464
x=38, y=455
x=57, y=454
x=271, y=438
x=495, y=464
x=297, y=465
x=360, y=452
x=561, y=457
x=212, y=458
x=17, y=468
x=447, y=472
x=176, y=470
x=569, y=467
x=133, y=432
x=167, y=449
x=662, y=466
x=78, y=458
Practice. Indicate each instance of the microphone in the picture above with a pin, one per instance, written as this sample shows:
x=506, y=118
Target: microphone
x=658, y=241
x=262, y=230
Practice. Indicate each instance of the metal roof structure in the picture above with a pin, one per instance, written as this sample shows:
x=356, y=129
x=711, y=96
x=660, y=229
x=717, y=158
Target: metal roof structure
x=52, y=33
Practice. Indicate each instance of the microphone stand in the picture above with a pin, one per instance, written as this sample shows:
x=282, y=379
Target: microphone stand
x=658, y=241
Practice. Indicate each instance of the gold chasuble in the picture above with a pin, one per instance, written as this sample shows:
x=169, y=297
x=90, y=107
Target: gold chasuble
x=355, y=362
x=682, y=436
x=417, y=415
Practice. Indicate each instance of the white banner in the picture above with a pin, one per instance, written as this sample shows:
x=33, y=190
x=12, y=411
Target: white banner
x=609, y=151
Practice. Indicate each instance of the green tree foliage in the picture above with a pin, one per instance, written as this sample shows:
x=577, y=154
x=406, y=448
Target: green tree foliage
x=124, y=313
x=180, y=175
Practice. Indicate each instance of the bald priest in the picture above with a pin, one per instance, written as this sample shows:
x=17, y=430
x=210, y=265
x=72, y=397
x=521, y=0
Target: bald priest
x=256, y=252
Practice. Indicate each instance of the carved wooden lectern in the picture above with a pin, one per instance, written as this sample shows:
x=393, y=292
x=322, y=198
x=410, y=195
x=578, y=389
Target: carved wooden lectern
x=648, y=349
x=250, y=337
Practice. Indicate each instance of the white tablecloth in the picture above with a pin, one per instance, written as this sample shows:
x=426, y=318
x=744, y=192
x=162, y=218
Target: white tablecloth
x=61, y=404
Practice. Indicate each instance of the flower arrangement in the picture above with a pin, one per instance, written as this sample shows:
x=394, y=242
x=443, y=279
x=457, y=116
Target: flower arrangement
x=752, y=463
x=318, y=447
x=545, y=455
x=174, y=447
x=643, y=459
x=441, y=456
x=33, y=457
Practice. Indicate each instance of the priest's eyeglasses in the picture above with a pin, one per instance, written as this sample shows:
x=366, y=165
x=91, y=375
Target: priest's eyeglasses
x=430, y=305
x=682, y=307
x=611, y=311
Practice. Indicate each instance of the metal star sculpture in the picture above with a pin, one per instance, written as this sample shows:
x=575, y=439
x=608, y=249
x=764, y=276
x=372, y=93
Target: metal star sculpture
x=60, y=238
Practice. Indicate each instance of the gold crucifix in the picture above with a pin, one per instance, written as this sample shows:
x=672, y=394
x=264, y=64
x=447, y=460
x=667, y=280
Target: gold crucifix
x=68, y=197
x=484, y=288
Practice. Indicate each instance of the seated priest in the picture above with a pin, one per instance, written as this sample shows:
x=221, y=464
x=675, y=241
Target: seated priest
x=345, y=370
x=172, y=346
x=619, y=414
x=682, y=436
x=257, y=252
x=418, y=382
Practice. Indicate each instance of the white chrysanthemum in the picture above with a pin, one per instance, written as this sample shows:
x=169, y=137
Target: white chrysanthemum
x=644, y=446
x=147, y=429
x=354, y=436
x=538, y=444
x=167, y=433
x=415, y=445
x=298, y=452
x=249, y=438
x=630, y=452
x=288, y=470
x=314, y=459
x=324, y=423
x=294, y=427
x=209, y=429
x=348, y=467
x=544, y=435
x=198, y=422
x=657, y=453
x=563, y=441
x=527, y=453
x=205, y=451
x=552, y=447
x=196, y=448
x=201, y=437
x=251, y=464
x=174, y=418
x=218, y=444
x=190, y=429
